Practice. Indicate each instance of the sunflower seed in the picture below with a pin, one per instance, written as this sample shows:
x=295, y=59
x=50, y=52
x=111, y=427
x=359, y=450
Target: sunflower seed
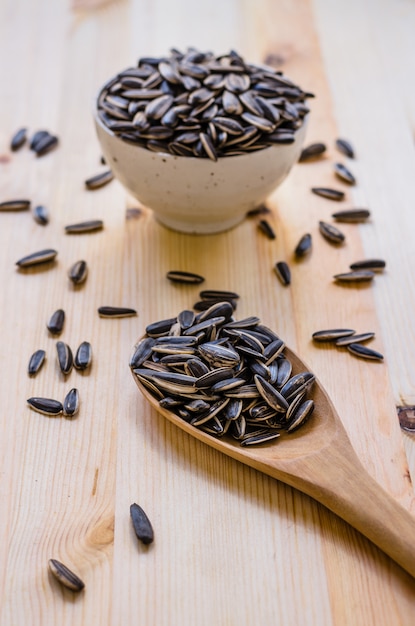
x=267, y=229
x=301, y=415
x=18, y=139
x=71, y=403
x=351, y=215
x=99, y=180
x=83, y=356
x=356, y=276
x=56, y=322
x=141, y=524
x=375, y=265
x=36, y=361
x=346, y=341
x=219, y=356
x=363, y=352
x=344, y=173
x=260, y=437
x=141, y=353
x=46, y=406
x=38, y=136
x=116, y=311
x=283, y=272
x=65, y=576
x=271, y=396
x=283, y=372
x=184, y=277
x=41, y=215
x=43, y=256
x=312, y=151
x=45, y=145
x=345, y=147
x=304, y=246
x=160, y=328
x=297, y=384
x=78, y=272
x=84, y=227
x=65, y=357
x=15, y=205
x=186, y=319
x=326, y=192
x=332, y=334
x=208, y=146
x=331, y=233
x=217, y=294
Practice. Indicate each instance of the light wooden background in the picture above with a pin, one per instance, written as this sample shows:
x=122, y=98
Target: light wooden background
x=232, y=546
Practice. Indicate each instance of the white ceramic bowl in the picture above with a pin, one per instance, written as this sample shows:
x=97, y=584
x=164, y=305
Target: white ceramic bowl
x=197, y=195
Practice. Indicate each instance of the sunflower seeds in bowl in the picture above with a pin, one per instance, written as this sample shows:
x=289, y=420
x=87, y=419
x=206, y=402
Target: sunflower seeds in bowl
x=194, y=125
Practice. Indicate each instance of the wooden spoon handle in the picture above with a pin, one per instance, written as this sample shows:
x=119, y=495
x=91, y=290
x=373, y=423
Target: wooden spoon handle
x=338, y=480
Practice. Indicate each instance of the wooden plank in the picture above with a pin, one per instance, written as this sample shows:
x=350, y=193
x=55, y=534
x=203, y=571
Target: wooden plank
x=232, y=546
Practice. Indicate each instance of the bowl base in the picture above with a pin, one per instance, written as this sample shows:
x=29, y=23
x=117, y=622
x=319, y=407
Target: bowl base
x=210, y=228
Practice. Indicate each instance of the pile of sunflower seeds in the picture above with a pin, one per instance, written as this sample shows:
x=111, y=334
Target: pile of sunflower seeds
x=196, y=104
x=223, y=376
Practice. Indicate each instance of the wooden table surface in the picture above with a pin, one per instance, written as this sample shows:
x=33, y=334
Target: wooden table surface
x=232, y=546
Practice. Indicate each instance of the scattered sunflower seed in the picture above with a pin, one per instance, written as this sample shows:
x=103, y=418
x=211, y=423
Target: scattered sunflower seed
x=36, y=258
x=375, y=265
x=312, y=151
x=345, y=147
x=265, y=227
x=18, y=139
x=41, y=215
x=184, y=277
x=218, y=294
x=116, y=311
x=71, y=403
x=283, y=272
x=83, y=356
x=45, y=145
x=332, y=334
x=331, y=233
x=346, y=341
x=84, y=227
x=351, y=215
x=38, y=136
x=78, y=272
x=344, y=173
x=46, y=406
x=65, y=576
x=356, y=276
x=56, y=322
x=99, y=180
x=65, y=357
x=15, y=205
x=330, y=194
x=364, y=352
x=303, y=246
x=36, y=361
x=142, y=525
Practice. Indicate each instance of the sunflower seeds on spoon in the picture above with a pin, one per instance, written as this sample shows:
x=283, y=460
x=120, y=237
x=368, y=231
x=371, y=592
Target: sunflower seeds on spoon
x=35, y=362
x=65, y=576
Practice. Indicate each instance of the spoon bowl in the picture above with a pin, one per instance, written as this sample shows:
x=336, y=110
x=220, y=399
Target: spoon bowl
x=319, y=460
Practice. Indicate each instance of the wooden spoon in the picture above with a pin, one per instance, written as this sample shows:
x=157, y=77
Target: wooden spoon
x=319, y=460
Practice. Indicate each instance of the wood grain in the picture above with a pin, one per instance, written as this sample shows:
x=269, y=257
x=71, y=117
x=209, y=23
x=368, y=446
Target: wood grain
x=232, y=546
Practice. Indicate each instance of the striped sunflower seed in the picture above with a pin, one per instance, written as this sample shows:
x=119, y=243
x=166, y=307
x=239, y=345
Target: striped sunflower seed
x=141, y=524
x=364, y=352
x=283, y=272
x=344, y=173
x=331, y=233
x=56, y=322
x=351, y=215
x=375, y=265
x=35, y=362
x=346, y=341
x=187, y=278
x=83, y=356
x=99, y=180
x=264, y=436
x=312, y=151
x=265, y=227
x=272, y=397
x=46, y=406
x=36, y=258
x=84, y=227
x=332, y=334
x=330, y=194
x=355, y=276
x=45, y=145
x=41, y=215
x=71, y=403
x=65, y=357
x=15, y=205
x=217, y=294
x=78, y=272
x=301, y=415
x=116, y=311
x=18, y=139
x=345, y=147
x=65, y=576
